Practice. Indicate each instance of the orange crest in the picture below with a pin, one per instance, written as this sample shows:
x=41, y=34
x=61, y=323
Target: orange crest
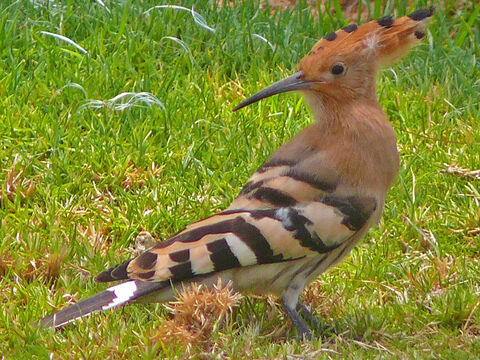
x=384, y=40
x=343, y=64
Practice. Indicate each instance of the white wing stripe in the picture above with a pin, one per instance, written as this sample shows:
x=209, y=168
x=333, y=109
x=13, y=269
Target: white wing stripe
x=242, y=252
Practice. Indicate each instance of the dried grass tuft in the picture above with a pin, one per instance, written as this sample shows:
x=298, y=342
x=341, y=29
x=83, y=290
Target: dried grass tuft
x=47, y=268
x=197, y=313
x=136, y=176
x=53, y=263
x=5, y=263
x=97, y=236
x=318, y=299
x=16, y=185
x=29, y=271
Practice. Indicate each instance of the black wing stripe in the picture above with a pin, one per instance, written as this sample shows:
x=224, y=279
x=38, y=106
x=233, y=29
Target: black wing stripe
x=273, y=196
x=198, y=233
x=146, y=261
x=118, y=272
x=181, y=271
x=310, y=179
x=180, y=256
x=254, y=239
x=357, y=210
x=146, y=275
x=298, y=225
x=276, y=163
x=222, y=256
x=251, y=185
x=105, y=276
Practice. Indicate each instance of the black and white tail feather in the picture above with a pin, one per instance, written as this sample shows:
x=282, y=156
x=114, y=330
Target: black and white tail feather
x=112, y=297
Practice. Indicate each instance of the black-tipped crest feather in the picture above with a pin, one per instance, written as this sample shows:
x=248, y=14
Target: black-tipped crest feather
x=421, y=14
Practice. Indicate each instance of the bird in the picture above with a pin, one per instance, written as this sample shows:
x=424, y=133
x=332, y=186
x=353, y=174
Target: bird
x=307, y=206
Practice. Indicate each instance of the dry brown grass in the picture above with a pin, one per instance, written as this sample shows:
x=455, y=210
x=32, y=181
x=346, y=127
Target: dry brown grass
x=137, y=176
x=97, y=236
x=16, y=184
x=47, y=268
x=196, y=314
x=52, y=264
x=5, y=263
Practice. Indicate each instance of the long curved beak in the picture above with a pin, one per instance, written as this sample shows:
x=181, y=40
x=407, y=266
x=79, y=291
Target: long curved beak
x=294, y=82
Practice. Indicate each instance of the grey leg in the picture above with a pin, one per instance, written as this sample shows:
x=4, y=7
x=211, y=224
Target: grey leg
x=317, y=325
x=303, y=331
x=307, y=315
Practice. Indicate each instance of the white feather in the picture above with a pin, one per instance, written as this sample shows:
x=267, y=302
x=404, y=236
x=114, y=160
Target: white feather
x=123, y=293
x=372, y=41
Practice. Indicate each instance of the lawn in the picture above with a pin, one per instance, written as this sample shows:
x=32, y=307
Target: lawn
x=126, y=125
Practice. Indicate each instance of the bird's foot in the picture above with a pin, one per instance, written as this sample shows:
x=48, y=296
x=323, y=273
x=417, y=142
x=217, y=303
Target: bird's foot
x=303, y=330
x=320, y=328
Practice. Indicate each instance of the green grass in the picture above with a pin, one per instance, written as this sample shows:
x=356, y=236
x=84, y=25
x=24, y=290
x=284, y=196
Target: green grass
x=100, y=176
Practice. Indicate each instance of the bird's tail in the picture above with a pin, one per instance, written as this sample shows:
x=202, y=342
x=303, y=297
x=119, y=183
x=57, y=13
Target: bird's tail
x=114, y=296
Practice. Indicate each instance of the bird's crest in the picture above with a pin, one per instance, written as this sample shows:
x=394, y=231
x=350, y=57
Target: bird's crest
x=383, y=40
x=354, y=50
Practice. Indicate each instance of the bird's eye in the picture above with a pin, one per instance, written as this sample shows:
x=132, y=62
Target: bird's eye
x=337, y=69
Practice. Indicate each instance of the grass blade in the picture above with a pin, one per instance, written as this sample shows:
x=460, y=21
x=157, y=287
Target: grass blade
x=66, y=39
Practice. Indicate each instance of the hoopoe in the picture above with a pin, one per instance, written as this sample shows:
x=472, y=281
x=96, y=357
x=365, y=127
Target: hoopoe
x=307, y=206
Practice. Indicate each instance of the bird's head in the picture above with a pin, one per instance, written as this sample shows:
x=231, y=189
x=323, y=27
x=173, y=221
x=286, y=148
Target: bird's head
x=344, y=63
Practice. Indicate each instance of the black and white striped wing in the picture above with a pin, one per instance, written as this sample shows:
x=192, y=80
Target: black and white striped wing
x=240, y=238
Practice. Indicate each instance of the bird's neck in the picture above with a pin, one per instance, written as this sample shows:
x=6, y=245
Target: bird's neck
x=333, y=111
x=359, y=136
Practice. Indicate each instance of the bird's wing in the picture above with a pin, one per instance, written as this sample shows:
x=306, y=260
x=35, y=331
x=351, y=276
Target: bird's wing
x=282, y=182
x=245, y=237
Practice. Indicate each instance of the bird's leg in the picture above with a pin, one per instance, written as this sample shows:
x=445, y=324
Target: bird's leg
x=310, y=318
x=303, y=331
x=307, y=315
